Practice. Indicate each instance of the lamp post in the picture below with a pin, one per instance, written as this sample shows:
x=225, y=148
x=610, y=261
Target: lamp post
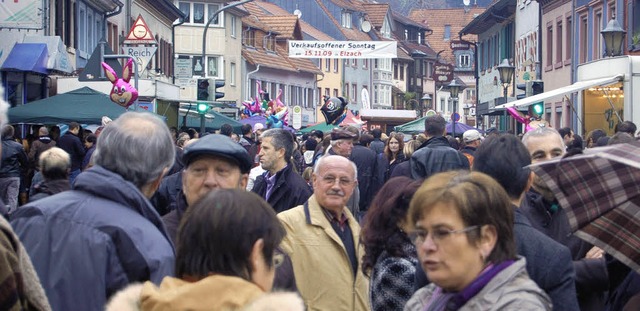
x=506, y=72
x=204, y=45
x=454, y=90
x=613, y=36
x=426, y=103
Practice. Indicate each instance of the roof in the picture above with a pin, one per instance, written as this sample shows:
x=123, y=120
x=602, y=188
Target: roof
x=376, y=13
x=285, y=25
x=354, y=33
x=437, y=19
x=267, y=8
x=496, y=13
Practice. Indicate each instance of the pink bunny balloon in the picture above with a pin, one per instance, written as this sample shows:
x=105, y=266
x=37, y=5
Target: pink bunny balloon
x=122, y=93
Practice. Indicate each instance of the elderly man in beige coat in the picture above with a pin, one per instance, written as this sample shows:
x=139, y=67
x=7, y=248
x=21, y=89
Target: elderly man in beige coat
x=322, y=241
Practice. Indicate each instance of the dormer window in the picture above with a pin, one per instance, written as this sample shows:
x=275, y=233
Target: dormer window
x=249, y=38
x=386, y=30
x=346, y=19
x=270, y=43
x=447, y=32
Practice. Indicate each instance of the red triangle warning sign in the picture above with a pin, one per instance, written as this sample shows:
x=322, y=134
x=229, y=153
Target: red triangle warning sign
x=140, y=33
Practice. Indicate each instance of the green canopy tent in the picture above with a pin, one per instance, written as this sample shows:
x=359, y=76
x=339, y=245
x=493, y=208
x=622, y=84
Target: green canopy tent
x=323, y=126
x=213, y=121
x=413, y=127
x=84, y=105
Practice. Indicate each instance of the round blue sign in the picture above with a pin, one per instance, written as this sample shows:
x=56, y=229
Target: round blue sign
x=455, y=117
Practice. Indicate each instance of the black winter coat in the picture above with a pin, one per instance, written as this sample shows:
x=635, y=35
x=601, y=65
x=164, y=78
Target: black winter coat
x=365, y=160
x=435, y=156
x=14, y=159
x=289, y=191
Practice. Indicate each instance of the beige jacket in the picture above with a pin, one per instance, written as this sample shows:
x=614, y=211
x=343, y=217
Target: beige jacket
x=320, y=262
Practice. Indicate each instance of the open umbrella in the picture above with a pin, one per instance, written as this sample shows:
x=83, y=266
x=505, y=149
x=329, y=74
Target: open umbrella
x=600, y=192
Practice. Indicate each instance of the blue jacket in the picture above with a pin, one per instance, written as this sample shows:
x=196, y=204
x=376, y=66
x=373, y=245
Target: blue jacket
x=90, y=242
x=549, y=263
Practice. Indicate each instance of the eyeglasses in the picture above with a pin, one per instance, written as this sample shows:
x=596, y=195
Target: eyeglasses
x=438, y=235
x=330, y=180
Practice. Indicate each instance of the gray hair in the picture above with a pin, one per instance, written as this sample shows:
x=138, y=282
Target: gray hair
x=280, y=139
x=541, y=132
x=4, y=107
x=316, y=168
x=136, y=146
x=54, y=163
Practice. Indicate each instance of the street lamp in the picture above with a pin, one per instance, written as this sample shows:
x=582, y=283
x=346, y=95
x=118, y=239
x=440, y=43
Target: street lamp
x=426, y=103
x=204, y=44
x=613, y=36
x=506, y=72
x=454, y=90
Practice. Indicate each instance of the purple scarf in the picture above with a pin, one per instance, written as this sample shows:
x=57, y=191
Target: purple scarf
x=451, y=301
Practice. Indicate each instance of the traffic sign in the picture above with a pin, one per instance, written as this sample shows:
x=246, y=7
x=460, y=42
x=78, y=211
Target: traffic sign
x=141, y=54
x=140, y=33
x=455, y=117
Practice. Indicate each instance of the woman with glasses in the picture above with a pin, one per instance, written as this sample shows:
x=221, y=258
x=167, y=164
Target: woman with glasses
x=225, y=257
x=463, y=231
x=390, y=257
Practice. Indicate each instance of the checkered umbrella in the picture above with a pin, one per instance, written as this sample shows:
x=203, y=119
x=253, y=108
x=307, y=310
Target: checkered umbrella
x=600, y=191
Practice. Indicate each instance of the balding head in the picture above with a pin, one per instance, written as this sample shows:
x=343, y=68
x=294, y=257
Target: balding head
x=43, y=131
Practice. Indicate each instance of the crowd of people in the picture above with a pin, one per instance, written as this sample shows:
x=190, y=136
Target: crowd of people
x=138, y=216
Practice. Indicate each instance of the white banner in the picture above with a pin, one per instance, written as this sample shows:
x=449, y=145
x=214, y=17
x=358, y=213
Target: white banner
x=23, y=14
x=343, y=49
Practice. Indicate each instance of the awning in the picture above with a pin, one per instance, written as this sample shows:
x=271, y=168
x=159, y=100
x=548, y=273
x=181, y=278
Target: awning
x=27, y=57
x=58, y=58
x=576, y=87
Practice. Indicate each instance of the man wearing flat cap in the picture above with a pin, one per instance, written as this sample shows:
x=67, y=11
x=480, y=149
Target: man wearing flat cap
x=342, y=145
x=213, y=161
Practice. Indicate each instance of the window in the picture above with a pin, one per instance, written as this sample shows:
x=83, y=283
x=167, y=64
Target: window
x=402, y=72
x=584, y=26
x=396, y=71
x=635, y=24
x=269, y=43
x=406, y=34
x=250, y=38
x=346, y=90
x=90, y=30
x=354, y=91
x=419, y=38
x=549, y=47
x=447, y=32
x=559, y=53
x=327, y=65
x=464, y=60
x=232, y=74
x=375, y=63
x=197, y=67
x=354, y=62
x=199, y=14
x=569, y=38
x=376, y=94
x=335, y=65
x=232, y=31
x=213, y=63
x=365, y=63
x=112, y=36
x=470, y=93
x=386, y=30
x=327, y=92
x=211, y=9
x=597, y=37
x=66, y=22
x=335, y=92
x=346, y=19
